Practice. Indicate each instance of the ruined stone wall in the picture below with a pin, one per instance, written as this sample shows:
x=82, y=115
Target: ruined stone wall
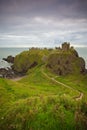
x=65, y=46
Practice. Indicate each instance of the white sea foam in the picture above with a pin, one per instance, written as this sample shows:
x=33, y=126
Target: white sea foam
x=4, y=64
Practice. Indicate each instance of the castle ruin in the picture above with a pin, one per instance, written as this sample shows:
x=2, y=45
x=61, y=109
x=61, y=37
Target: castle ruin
x=65, y=46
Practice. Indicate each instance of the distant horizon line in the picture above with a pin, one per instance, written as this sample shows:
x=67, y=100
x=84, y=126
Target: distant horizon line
x=38, y=46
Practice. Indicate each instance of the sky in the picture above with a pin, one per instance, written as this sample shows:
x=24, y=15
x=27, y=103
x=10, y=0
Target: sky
x=43, y=23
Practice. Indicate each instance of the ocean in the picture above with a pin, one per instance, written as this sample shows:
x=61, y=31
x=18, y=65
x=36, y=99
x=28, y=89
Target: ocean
x=82, y=51
x=4, y=52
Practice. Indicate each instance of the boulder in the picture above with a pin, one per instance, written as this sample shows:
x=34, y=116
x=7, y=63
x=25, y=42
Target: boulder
x=7, y=73
x=9, y=59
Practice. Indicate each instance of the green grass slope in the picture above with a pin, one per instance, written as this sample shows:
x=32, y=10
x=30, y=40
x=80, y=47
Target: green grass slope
x=37, y=102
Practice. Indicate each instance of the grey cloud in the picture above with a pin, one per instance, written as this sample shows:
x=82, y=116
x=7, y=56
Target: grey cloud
x=67, y=8
x=42, y=21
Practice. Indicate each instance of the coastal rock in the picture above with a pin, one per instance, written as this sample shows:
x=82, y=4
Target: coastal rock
x=66, y=61
x=62, y=64
x=82, y=65
x=9, y=59
x=6, y=73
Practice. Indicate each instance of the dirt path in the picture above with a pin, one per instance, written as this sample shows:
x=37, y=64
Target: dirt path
x=54, y=80
x=58, y=82
x=18, y=78
x=80, y=97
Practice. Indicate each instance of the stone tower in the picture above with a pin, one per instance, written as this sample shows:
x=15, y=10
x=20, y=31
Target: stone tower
x=65, y=46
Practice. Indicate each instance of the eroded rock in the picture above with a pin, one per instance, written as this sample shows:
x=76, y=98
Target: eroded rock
x=7, y=73
x=9, y=59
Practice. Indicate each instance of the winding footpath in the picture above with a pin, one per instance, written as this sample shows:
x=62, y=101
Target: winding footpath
x=79, y=97
x=18, y=78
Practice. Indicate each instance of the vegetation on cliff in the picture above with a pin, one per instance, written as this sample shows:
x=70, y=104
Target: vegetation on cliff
x=29, y=59
x=63, y=64
x=61, y=61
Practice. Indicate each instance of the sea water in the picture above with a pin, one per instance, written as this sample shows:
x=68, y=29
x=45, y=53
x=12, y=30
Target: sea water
x=4, y=52
x=82, y=51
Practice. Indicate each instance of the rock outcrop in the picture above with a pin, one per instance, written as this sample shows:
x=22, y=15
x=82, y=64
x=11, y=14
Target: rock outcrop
x=7, y=73
x=66, y=61
x=9, y=59
x=63, y=64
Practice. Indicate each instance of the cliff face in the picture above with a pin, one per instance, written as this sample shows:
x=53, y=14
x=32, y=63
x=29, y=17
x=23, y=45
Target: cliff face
x=66, y=61
x=63, y=64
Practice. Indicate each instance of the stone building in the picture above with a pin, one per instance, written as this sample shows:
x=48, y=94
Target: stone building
x=65, y=46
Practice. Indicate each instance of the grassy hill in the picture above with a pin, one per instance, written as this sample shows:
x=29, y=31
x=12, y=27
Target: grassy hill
x=60, y=61
x=29, y=59
x=43, y=100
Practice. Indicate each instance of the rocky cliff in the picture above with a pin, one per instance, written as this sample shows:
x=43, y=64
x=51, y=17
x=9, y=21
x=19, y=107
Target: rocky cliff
x=63, y=64
x=66, y=61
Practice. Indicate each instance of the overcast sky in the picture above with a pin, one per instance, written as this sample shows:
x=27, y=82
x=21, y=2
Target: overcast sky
x=27, y=23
